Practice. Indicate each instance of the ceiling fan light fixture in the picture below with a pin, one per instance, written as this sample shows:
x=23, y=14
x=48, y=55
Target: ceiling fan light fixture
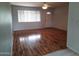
x=45, y=6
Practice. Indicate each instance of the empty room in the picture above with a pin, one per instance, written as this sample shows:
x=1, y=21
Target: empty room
x=38, y=29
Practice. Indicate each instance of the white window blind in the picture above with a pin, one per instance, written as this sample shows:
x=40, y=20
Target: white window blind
x=29, y=16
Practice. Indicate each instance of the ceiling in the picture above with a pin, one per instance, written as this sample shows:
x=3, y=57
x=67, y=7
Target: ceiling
x=39, y=4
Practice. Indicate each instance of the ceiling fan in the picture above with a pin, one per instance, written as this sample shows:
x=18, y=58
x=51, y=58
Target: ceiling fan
x=45, y=5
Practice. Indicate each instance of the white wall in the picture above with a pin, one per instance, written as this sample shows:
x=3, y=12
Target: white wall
x=73, y=27
x=45, y=20
x=5, y=29
x=60, y=17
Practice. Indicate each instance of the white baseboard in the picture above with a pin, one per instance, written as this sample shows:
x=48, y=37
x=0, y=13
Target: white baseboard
x=5, y=54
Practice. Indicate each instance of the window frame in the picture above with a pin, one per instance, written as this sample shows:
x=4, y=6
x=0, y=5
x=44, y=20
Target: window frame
x=29, y=21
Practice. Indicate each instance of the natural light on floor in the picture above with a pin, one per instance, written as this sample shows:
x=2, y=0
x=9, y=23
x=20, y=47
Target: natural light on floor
x=31, y=38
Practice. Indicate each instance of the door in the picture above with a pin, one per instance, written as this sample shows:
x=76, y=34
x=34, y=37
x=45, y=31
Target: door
x=73, y=27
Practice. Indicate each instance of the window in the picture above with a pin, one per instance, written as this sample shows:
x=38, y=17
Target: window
x=29, y=16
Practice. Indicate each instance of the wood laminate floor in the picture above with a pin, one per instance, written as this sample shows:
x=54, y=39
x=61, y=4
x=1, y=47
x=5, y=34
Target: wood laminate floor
x=38, y=42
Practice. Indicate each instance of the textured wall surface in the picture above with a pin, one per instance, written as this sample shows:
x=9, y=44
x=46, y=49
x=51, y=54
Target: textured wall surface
x=60, y=17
